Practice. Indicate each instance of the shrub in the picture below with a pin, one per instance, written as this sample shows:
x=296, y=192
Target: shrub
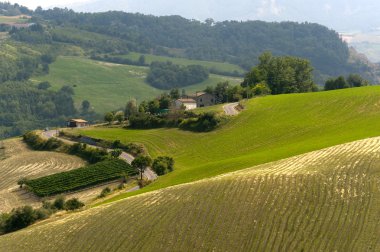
x=116, y=153
x=20, y=218
x=37, y=143
x=143, y=183
x=203, y=123
x=163, y=165
x=145, y=121
x=106, y=191
x=59, y=203
x=92, y=155
x=73, y=204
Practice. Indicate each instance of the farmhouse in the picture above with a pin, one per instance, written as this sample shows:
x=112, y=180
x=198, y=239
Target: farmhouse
x=204, y=99
x=187, y=103
x=77, y=123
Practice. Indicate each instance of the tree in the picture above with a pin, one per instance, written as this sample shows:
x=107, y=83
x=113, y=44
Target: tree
x=22, y=181
x=355, y=80
x=109, y=117
x=85, y=106
x=261, y=89
x=131, y=108
x=338, y=83
x=163, y=165
x=44, y=85
x=141, y=164
x=119, y=116
x=67, y=89
x=281, y=74
x=142, y=60
x=174, y=94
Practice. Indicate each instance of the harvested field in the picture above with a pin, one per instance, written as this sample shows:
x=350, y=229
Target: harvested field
x=22, y=162
x=327, y=200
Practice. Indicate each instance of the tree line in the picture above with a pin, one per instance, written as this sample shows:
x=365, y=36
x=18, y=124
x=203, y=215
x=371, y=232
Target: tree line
x=229, y=41
x=166, y=75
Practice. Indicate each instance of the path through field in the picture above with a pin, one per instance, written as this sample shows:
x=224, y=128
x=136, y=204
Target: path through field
x=327, y=200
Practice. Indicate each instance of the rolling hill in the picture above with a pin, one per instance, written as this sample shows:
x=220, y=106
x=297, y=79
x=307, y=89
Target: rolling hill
x=109, y=86
x=326, y=200
x=271, y=128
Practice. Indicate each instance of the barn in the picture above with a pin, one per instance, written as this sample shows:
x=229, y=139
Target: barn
x=77, y=123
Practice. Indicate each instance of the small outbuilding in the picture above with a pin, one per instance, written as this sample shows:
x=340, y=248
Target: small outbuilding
x=77, y=123
x=189, y=104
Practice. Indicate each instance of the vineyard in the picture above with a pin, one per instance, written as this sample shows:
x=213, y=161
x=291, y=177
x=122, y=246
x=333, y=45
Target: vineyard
x=20, y=162
x=327, y=200
x=80, y=178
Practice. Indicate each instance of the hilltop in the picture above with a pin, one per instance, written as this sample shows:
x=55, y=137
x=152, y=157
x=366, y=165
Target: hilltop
x=324, y=200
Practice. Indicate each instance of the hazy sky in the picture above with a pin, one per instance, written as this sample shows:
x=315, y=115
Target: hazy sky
x=342, y=15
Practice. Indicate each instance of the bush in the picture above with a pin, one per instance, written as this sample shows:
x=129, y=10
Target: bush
x=145, y=121
x=106, y=191
x=163, y=165
x=59, y=203
x=116, y=153
x=73, y=204
x=20, y=218
x=37, y=143
x=203, y=123
x=143, y=183
x=92, y=155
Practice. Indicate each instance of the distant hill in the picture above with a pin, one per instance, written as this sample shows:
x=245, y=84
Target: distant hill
x=229, y=41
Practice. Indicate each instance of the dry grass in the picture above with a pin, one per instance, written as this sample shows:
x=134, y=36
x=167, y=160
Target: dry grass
x=327, y=200
x=23, y=162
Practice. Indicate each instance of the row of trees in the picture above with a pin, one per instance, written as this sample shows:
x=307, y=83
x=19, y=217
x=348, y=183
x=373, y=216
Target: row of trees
x=166, y=75
x=353, y=80
x=25, y=216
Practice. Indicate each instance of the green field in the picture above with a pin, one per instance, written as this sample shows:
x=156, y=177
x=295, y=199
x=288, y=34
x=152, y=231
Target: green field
x=327, y=200
x=271, y=128
x=110, y=86
x=149, y=58
x=80, y=178
x=13, y=19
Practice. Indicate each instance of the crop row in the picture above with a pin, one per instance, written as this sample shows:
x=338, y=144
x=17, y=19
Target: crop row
x=80, y=178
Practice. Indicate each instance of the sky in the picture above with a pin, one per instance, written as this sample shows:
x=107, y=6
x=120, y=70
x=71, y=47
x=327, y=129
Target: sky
x=342, y=15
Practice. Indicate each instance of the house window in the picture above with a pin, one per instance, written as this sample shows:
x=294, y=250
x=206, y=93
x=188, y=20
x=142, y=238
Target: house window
x=201, y=100
x=212, y=100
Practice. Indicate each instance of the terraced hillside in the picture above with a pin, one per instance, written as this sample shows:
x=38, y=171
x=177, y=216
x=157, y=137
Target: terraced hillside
x=109, y=86
x=327, y=200
x=20, y=162
x=270, y=129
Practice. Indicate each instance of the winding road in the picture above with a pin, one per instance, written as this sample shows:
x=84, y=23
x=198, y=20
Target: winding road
x=230, y=109
x=148, y=173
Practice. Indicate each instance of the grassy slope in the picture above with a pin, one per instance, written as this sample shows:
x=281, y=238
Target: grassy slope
x=109, y=86
x=326, y=200
x=271, y=128
x=227, y=67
